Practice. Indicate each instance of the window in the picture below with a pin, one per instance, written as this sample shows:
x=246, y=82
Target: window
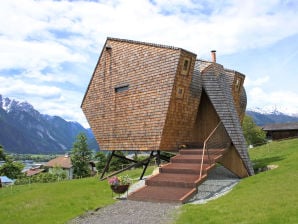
x=180, y=92
x=237, y=83
x=185, y=66
x=121, y=88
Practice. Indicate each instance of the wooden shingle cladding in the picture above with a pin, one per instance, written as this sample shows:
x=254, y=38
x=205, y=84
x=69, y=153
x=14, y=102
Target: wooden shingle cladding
x=243, y=104
x=181, y=115
x=215, y=84
x=235, y=80
x=146, y=96
x=132, y=119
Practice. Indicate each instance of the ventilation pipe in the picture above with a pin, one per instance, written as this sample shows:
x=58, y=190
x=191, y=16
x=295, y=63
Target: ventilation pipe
x=213, y=56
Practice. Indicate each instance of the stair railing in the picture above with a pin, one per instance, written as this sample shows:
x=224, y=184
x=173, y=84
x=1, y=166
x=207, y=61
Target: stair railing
x=205, y=147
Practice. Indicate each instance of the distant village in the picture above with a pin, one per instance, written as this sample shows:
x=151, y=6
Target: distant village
x=62, y=163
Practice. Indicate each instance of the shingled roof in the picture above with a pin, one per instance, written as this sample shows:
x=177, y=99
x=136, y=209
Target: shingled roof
x=219, y=93
x=281, y=126
x=60, y=161
x=33, y=171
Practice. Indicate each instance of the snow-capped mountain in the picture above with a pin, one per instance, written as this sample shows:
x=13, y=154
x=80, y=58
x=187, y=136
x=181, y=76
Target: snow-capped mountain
x=273, y=110
x=9, y=105
x=262, y=116
x=25, y=130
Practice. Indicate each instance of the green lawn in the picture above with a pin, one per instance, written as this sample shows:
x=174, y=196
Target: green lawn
x=268, y=197
x=55, y=202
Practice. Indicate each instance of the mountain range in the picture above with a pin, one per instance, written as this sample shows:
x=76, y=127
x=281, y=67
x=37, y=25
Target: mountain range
x=262, y=118
x=25, y=130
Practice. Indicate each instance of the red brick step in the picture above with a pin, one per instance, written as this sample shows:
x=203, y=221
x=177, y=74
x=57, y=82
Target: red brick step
x=177, y=181
x=163, y=194
x=200, y=151
x=185, y=168
x=191, y=158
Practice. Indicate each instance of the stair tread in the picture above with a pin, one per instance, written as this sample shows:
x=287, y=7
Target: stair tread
x=161, y=193
x=189, y=156
x=193, y=166
x=199, y=151
x=173, y=177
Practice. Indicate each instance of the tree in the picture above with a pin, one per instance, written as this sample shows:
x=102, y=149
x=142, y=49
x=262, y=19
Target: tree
x=81, y=156
x=118, y=163
x=102, y=160
x=2, y=153
x=253, y=134
x=10, y=168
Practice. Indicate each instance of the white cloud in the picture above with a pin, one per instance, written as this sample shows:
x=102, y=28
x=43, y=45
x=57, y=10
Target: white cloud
x=228, y=27
x=257, y=82
x=13, y=86
x=40, y=37
x=35, y=54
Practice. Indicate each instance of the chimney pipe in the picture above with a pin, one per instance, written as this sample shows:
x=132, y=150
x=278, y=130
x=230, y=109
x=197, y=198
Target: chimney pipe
x=213, y=56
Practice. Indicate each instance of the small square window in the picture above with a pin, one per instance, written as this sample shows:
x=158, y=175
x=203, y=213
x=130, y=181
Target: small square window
x=237, y=83
x=121, y=88
x=185, y=66
x=180, y=92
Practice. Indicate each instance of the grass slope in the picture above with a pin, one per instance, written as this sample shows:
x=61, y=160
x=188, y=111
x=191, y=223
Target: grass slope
x=55, y=202
x=268, y=197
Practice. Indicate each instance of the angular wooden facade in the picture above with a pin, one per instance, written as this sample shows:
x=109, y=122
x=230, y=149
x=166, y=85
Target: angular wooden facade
x=146, y=96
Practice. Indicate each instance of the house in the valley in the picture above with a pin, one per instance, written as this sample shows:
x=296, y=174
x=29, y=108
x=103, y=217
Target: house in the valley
x=281, y=130
x=34, y=171
x=63, y=162
x=151, y=97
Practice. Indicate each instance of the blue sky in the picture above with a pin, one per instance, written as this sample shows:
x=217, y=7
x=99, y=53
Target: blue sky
x=48, y=49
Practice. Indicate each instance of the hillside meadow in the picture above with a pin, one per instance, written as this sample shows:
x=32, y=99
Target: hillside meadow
x=268, y=197
x=55, y=202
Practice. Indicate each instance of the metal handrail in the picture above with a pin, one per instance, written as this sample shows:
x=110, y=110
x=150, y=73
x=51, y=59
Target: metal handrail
x=204, y=147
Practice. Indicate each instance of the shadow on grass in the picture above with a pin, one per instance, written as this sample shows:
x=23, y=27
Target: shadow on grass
x=262, y=162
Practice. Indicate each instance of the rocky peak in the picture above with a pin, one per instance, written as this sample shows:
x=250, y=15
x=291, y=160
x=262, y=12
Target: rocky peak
x=13, y=105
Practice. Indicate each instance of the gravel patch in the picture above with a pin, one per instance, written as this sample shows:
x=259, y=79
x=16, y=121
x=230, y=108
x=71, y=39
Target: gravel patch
x=131, y=212
x=220, y=181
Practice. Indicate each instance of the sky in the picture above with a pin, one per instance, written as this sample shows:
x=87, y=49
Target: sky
x=49, y=48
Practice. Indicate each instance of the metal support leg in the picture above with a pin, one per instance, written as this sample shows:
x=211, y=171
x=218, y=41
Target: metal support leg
x=106, y=169
x=144, y=162
x=158, y=158
x=146, y=165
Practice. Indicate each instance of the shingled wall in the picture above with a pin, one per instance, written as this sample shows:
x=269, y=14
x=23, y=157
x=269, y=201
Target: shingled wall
x=214, y=78
x=143, y=74
x=183, y=106
x=146, y=96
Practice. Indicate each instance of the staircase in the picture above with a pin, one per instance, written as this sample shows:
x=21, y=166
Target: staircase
x=178, y=180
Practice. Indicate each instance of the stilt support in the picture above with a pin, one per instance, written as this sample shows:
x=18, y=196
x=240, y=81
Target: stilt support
x=145, y=162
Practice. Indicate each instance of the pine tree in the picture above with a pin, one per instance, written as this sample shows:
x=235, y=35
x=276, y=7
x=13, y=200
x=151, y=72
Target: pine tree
x=2, y=154
x=81, y=155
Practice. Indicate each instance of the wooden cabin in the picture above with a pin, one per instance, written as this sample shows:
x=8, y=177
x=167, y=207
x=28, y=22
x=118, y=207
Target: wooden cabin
x=149, y=97
x=281, y=130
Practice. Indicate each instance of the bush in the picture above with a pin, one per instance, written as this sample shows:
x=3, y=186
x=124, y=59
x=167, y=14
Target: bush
x=41, y=178
x=253, y=134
